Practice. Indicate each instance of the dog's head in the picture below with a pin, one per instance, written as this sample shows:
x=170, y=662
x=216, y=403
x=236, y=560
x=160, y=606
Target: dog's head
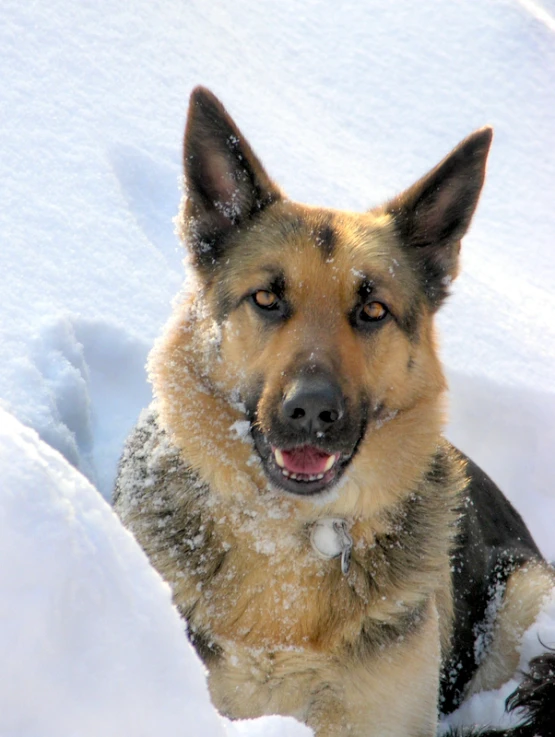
x=325, y=316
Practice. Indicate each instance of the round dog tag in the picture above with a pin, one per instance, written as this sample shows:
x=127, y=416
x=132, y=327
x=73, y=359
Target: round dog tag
x=330, y=539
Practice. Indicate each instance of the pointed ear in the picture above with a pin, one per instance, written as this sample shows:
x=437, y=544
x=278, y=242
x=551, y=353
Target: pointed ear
x=226, y=184
x=432, y=216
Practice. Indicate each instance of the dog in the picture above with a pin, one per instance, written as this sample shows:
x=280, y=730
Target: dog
x=334, y=557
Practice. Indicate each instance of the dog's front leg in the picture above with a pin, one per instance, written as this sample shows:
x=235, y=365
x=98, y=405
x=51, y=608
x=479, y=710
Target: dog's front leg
x=326, y=712
x=392, y=693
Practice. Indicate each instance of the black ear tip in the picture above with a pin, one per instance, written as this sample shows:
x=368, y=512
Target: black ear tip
x=203, y=98
x=486, y=131
x=480, y=140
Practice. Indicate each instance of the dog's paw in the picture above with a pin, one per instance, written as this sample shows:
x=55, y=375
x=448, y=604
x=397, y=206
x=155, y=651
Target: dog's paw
x=534, y=699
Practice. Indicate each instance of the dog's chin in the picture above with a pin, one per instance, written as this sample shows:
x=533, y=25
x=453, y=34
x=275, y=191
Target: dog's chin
x=315, y=482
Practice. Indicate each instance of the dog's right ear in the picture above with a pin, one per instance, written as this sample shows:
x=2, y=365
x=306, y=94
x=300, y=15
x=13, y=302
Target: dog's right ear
x=226, y=185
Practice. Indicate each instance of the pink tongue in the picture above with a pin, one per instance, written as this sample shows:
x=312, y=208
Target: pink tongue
x=307, y=460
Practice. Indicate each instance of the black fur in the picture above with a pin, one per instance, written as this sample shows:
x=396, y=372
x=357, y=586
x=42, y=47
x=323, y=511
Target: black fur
x=492, y=543
x=207, y=650
x=227, y=185
x=533, y=701
x=326, y=240
x=535, y=698
x=432, y=216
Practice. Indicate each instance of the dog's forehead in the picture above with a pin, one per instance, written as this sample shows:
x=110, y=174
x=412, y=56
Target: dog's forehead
x=343, y=238
x=324, y=250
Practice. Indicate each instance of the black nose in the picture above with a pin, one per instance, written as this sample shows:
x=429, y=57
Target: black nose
x=312, y=404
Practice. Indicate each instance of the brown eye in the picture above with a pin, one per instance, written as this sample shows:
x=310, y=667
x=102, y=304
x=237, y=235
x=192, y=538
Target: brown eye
x=374, y=311
x=266, y=300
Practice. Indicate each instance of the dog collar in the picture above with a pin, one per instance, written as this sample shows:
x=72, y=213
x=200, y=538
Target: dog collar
x=330, y=539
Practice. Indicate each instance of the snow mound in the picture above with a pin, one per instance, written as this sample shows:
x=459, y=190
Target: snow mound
x=90, y=643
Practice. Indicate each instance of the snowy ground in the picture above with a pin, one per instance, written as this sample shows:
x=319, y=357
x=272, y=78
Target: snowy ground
x=89, y=641
x=346, y=103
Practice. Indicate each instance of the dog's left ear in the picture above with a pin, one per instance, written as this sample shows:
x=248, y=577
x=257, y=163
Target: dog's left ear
x=432, y=216
x=226, y=183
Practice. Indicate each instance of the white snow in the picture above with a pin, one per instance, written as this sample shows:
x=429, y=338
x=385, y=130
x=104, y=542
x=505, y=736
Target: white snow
x=89, y=641
x=346, y=103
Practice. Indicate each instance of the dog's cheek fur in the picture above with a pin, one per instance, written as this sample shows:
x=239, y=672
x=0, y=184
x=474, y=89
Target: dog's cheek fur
x=402, y=372
x=406, y=431
x=240, y=362
x=180, y=368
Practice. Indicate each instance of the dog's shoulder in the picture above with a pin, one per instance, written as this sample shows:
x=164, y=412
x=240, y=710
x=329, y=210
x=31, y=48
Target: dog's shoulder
x=489, y=517
x=150, y=466
x=159, y=497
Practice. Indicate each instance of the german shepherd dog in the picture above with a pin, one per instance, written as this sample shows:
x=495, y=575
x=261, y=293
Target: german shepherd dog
x=334, y=557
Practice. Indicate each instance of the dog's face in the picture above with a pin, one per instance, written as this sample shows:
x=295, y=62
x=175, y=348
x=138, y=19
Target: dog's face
x=326, y=316
x=325, y=336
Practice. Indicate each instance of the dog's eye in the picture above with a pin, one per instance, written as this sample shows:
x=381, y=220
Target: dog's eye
x=265, y=300
x=373, y=311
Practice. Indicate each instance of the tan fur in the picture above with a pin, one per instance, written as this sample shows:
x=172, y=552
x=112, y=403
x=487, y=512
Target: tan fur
x=196, y=370
x=193, y=353
x=282, y=629
x=526, y=590
x=272, y=608
x=358, y=699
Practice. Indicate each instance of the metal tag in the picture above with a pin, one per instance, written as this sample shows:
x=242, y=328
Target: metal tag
x=330, y=539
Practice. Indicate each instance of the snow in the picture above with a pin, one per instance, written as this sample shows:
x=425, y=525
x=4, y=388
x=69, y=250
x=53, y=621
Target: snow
x=346, y=103
x=89, y=641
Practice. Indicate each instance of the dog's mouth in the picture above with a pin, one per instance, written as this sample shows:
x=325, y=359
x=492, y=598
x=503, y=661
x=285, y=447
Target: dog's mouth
x=305, y=464
x=306, y=459
x=303, y=470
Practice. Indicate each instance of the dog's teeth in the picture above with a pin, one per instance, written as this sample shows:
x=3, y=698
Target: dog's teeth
x=285, y=473
x=312, y=478
x=293, y=476
x=320, y=476
x=278, y=455
x=329, y=463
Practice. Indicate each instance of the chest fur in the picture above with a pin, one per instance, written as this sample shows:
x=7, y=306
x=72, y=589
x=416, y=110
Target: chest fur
x=243, y=570
x=255, y=580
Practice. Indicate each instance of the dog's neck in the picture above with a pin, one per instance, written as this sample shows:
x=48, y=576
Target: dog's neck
x=330, y=539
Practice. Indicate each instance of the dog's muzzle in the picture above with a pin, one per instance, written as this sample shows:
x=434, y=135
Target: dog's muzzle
x=308, y=435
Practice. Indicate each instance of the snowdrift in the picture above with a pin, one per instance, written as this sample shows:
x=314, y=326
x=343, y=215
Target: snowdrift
x=90, y=643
